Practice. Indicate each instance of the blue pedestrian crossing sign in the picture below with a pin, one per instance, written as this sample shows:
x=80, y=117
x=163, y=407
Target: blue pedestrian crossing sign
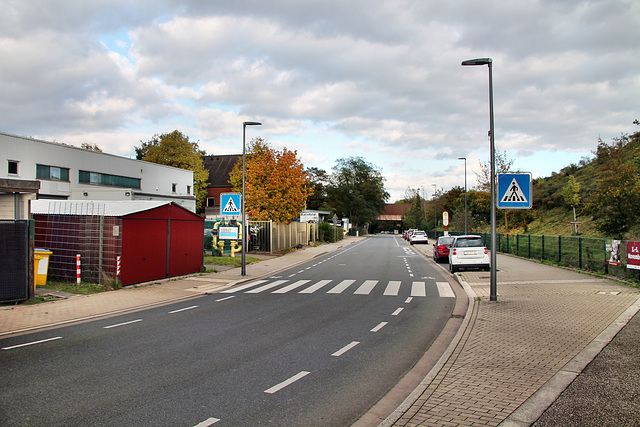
x=514, y=191
x=230, y=204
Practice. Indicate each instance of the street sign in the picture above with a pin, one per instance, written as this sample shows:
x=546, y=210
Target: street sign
x=445, y=218
x=230, y=204
x=514, y=191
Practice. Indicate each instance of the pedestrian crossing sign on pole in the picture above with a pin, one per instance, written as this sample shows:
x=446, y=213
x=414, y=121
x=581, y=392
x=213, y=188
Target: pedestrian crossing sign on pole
x=230, y=204
x=514, y=191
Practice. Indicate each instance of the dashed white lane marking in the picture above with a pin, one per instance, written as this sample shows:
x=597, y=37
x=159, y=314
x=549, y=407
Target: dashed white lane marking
x=346, y=348
x=408, y=300
x=286, y=383
x=208, y=422
x=122, y=324
x=444, y=290
x=379, y=326
x=398, y=311
x=31, y=343
x=225, y=298
x=183, y=309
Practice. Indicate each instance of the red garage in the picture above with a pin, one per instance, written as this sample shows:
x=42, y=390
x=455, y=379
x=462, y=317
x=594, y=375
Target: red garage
x=150, y=239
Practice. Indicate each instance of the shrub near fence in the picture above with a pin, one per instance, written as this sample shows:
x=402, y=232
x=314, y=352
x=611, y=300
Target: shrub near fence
x=569, y=251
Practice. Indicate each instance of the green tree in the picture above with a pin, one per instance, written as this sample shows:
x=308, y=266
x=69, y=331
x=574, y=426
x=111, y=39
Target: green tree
x=571, y=194
x=175, y=149
x=94, y=147
x=318, y=182
x=357, y=190
x=276, y=184
x=415, y=215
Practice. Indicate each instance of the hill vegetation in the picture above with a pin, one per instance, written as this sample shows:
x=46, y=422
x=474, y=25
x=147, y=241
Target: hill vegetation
x=598, y=197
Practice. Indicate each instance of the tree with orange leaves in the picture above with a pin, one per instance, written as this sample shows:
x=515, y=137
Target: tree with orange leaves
x=276, y=184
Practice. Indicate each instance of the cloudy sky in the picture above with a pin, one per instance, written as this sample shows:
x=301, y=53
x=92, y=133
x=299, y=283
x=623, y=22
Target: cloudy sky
x=330, y=79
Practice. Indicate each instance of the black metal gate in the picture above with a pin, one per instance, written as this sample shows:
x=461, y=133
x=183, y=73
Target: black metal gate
x=16, y=260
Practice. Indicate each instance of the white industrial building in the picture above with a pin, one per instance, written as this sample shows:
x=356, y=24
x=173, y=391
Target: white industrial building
x=65, y=172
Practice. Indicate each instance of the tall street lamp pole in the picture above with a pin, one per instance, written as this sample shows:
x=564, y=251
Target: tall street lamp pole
x=493, y=283
x=245, y=229
x=465, y=193
x=435, y=213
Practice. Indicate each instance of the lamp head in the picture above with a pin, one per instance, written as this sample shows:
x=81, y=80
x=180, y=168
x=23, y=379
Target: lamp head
x=478, y=61
x=251, y=123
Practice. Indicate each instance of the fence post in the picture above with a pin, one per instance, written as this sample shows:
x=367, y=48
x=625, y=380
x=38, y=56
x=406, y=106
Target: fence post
x=559, y=249
x=529, y=246
x=508, y=248
x=543, y=247
x=580, y=252
x=517, y=244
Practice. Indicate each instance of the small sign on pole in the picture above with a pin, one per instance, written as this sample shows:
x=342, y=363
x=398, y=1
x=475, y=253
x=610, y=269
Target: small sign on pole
x=514, y=191
x=230, y=204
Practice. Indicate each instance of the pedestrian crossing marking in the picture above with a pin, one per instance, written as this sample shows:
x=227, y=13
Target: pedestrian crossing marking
x=340, y=287
x=366, y=287
x=514, y=193
x=291, y=287
x=311, y=289
x=267, y=287
x=418, y=289
x=392, y=287
x=444, y=290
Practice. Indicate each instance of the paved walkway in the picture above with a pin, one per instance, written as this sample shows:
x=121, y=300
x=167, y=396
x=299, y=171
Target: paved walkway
x=513, y=357
x=509, y=361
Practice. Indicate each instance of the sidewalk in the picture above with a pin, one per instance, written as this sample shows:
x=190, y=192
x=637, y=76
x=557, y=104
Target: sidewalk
x=509, y=361
x=512, y=358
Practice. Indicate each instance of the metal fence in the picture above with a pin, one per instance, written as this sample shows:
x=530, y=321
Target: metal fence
x=583, y=253
x=273, y=237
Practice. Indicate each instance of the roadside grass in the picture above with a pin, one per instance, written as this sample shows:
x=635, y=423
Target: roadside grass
x=81, y=288
x=227, y=260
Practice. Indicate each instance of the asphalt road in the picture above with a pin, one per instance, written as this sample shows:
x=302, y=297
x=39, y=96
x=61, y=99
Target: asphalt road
x=316, y=345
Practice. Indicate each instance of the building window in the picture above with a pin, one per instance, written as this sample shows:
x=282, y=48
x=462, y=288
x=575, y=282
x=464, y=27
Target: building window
x=211, y=202
x=52, y=172
x=174, y=187
x=188, y=189
x=96, y=178
x=13, y=167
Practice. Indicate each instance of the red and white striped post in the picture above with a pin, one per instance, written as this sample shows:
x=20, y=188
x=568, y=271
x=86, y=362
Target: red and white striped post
x=78, y=270
x=118, y=266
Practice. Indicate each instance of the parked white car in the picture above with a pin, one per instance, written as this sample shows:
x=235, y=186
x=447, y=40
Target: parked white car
x=418, y=236
x=468, y=252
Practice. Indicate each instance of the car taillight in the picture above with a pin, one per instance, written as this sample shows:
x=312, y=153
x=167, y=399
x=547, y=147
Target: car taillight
x=486, y=251
x=454, y=251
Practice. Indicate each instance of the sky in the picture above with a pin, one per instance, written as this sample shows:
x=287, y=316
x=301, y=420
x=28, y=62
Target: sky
x=330, y=79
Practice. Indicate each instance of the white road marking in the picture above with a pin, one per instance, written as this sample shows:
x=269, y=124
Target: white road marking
x=392, y=288
x=340, y=287
x=290, y=287
x=346, y=348
x=207, y=422
x=408, y=300
x=266, y=287
x=311, y=289
x=288, y=382
x=183, y=309
x=380, y=326
x=243, y=287
x=122, y=324
x=398, y=311
x=445, y=290
x=366, y=287
x=31, y=343
x=225, y=298
x=419, y=289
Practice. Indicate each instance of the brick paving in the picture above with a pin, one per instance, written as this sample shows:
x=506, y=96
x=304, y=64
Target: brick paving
x=543, y=318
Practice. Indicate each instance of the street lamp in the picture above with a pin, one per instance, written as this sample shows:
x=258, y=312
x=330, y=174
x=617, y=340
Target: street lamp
x=493, y=283
x=435, y=213
x=245, y=229
x=465, y=193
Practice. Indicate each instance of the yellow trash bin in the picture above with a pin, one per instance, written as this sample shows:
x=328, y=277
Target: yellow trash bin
x=41, y=266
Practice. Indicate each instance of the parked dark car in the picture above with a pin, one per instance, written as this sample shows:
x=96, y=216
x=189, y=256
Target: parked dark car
x=441, y=248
